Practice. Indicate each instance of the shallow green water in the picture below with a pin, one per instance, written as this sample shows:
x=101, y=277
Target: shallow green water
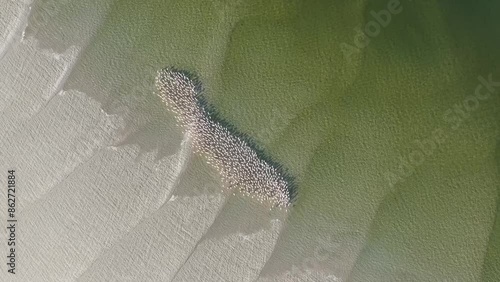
x=348, y=123
x=276, y=69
